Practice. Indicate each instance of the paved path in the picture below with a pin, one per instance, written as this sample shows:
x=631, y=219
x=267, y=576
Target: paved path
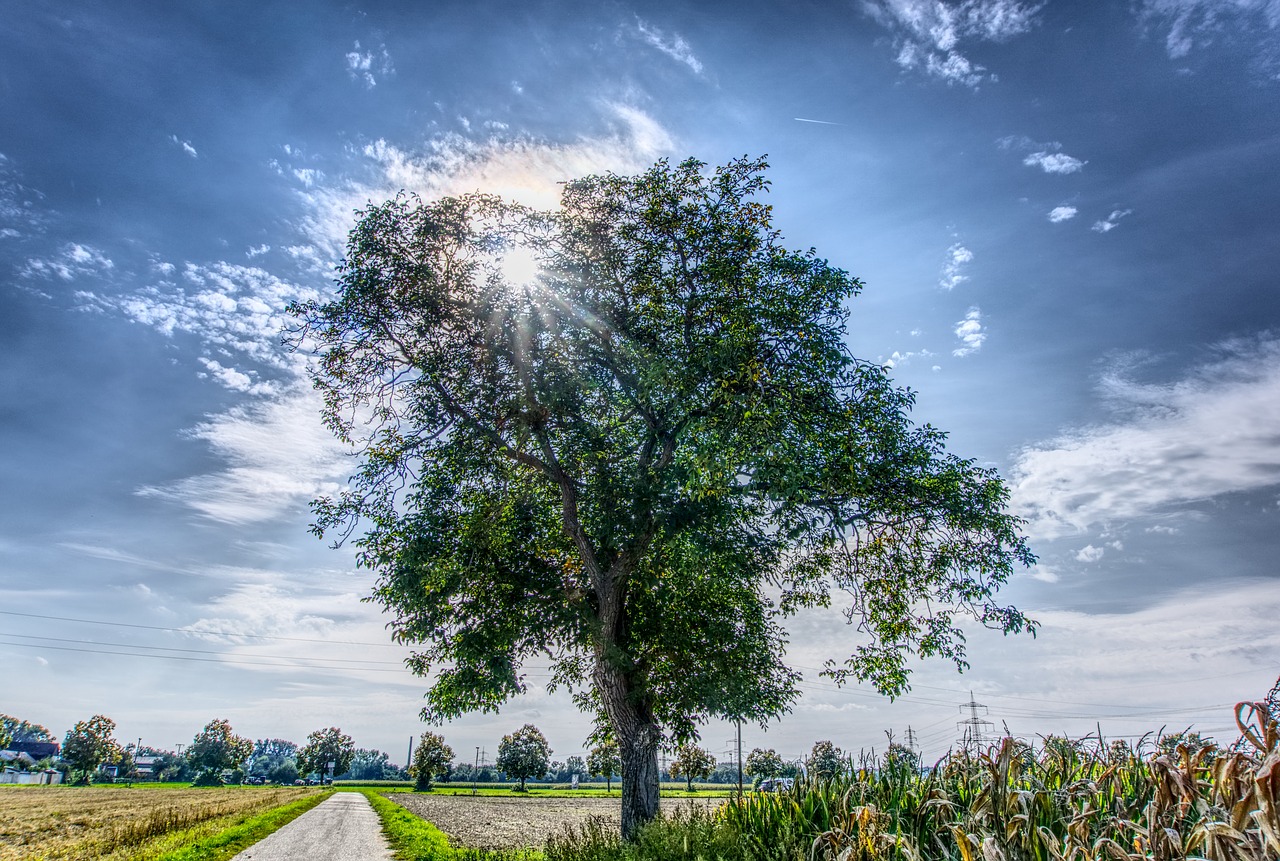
x=344, y=827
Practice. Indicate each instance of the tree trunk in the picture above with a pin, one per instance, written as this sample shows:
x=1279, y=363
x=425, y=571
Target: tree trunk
x=639, y=778
x=638, y=736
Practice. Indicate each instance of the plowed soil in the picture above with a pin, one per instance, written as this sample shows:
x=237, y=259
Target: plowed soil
x=487, y=822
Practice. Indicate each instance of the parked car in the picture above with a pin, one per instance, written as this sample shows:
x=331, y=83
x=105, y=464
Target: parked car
x=776, y=784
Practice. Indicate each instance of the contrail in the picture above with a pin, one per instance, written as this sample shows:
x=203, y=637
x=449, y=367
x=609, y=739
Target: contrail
x=822, y=122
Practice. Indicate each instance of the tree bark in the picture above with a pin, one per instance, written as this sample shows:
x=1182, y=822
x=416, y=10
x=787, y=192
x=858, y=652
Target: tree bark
x=638, y=737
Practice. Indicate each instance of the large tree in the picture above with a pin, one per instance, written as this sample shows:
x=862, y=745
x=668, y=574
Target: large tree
x=323, y=747
x=89, y=744
x=217, y=748
x=623, y=461
x=692, y=763
x=524, y=754
x=432, y=757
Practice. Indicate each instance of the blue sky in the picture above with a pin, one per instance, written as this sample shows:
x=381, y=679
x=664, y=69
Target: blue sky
x=1065, y=214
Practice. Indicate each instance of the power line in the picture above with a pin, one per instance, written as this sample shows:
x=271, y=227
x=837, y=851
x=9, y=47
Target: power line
x=199, y=651
x=232, y=662
x=197, y=630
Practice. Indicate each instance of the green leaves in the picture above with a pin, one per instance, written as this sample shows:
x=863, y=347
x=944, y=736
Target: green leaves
x=615, y=466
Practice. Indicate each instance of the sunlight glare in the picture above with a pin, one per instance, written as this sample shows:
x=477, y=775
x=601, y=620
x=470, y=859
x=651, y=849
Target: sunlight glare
x=519, y=266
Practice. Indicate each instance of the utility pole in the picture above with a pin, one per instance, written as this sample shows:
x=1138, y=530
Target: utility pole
x=739, y=723
x=475, y=772
x=409, y=756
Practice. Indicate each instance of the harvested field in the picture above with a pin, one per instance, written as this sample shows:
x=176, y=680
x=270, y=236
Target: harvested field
x=492, y=822
x=55, y=822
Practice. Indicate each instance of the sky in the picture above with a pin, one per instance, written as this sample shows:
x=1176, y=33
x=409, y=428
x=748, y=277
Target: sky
x=1065, y=214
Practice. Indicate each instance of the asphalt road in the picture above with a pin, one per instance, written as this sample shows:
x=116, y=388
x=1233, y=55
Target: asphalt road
x=344, y=827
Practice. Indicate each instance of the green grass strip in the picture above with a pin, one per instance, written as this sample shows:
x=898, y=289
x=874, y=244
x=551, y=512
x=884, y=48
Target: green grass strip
x=413, y=838
x=231, y=841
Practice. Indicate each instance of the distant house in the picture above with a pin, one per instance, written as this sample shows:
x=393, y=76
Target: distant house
x=20, y=756
x=37, y=750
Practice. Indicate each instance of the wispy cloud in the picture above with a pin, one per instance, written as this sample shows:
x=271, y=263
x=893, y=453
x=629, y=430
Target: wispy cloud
x=1209, y=433
x=368, y=65
x=230, y=308
x=930, y=33
x=186, y=146
x=520, y=168
x=1106, y=225
x=673, y=45
x=19, y=212
x=278, y=454
x=970, y=332
x=952, y=270
x=1194, y=23
x=1060, y=214
x=72, y=262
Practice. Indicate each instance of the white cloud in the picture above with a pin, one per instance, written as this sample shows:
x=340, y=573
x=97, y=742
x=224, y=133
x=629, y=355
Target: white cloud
x=523, y=169
x=186, y=146
x=674, y=45
x=1210, y=433
x=369, y=66
x=970, y=332
x=279, y=456
x=1054, y=162
x=74, y=261
x=1112, y=221
x=1089, y=553
x=1193, y=23
x=229, y=307
x=17, y=202
x=1060, y=214
x=930, y=32
x=957, y=257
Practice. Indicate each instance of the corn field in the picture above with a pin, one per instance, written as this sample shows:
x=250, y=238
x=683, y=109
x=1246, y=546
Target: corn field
x=1075, y=801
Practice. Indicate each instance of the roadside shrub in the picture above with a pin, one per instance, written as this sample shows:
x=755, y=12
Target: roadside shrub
x=208, y=777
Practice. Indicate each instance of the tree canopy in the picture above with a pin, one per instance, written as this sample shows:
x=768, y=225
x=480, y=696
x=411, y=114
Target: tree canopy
x=432, y=757
x=692, y=762
x=14, y=729
x=524, y=754
x=658, y=447
x=217, y=747
x=89, y=744
x=323, y=747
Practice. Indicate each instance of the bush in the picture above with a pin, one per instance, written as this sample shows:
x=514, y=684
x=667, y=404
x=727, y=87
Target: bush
x=208, y=777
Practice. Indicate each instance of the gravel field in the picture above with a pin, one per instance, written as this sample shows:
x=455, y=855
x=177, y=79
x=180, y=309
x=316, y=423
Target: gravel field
x=501, y=823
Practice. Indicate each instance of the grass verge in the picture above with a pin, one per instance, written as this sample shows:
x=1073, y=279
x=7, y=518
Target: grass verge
x=412, y=838
x=233, y=839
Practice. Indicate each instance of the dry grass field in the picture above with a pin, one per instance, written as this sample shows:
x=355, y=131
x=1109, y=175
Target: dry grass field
x=66, y=822
x=494, y=822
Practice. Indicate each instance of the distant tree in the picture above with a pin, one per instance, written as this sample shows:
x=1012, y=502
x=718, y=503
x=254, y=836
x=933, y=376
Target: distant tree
x=323, y=747
x=524, y=754
x=900, y=758
x=764, y=763
x=603, y=761
x=575, y=765
x=285, y=771
x=616, y=462
x=88, y=745
x=215, y=749
x=13, y=730
x=692, y=762
x=1188, y=744
x=371, y=765
x=825, y=760
x=269, y=754
x=431, y=757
